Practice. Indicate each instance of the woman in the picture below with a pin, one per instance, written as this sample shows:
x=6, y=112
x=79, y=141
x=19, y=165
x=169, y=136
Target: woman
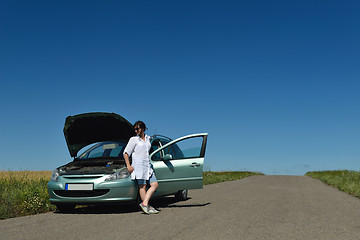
x=138, y=147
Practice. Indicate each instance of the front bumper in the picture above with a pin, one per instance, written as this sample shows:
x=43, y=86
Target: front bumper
x=115, y=191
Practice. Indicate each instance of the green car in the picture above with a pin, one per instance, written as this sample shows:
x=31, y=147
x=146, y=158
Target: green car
x=98, y=174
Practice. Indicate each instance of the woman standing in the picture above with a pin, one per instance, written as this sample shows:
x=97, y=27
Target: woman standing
x=138, y=147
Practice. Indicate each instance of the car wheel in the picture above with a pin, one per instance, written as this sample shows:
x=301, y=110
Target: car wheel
x=138, y=199
x=181, y=195
x=65, y=207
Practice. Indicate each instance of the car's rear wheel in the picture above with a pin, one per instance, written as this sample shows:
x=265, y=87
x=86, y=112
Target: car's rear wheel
x=65, y=207
x=182, y=195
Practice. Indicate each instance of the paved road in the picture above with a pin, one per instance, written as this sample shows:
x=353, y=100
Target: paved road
x=258, y=207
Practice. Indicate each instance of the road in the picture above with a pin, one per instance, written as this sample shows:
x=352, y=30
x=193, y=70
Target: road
x=258, y=207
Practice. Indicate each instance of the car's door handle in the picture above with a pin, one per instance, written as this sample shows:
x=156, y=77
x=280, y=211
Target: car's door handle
x=194, y=164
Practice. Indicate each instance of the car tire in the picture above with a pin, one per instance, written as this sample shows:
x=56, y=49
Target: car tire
x=182, y=195
x=138, y=199
x=65, y=207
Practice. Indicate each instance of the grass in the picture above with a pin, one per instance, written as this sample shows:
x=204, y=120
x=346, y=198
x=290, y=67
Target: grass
x=25, y=192
x=344, y=180
x=217, y=177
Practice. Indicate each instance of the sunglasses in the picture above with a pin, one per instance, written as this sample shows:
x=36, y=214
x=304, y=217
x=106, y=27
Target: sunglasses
x=137, y=129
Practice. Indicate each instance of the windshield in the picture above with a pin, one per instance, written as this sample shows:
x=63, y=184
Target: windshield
x=103, y=149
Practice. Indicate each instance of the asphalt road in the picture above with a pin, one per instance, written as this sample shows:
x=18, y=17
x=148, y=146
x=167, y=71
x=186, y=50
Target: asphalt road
x=258, y=207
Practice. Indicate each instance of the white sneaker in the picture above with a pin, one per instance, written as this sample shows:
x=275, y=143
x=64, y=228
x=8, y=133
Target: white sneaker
x=152, y=210
x=144, y=208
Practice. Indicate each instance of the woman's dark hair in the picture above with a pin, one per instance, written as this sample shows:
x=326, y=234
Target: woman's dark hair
x=140, y=124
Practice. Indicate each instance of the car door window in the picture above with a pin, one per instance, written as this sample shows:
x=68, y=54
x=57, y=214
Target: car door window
x=188, y=148
x=174, y=151
x=155, y=145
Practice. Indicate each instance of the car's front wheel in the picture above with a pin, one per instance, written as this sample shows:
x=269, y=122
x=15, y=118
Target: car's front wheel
x=181, y=195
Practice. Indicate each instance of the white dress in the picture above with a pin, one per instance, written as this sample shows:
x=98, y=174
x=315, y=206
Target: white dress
x=139, y=150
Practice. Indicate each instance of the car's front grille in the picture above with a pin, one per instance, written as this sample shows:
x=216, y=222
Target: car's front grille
x=81, y=177
x=81, y=193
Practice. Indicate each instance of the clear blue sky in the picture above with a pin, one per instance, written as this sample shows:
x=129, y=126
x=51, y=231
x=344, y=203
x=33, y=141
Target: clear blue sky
x=275, y=83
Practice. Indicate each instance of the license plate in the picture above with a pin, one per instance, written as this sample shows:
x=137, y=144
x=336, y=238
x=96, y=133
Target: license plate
x=79, y=186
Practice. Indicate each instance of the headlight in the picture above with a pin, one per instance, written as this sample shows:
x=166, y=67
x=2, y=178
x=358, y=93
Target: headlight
x=123, y=173
x=55, y=175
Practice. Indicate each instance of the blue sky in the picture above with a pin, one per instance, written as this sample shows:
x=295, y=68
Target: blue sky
x=274, y=83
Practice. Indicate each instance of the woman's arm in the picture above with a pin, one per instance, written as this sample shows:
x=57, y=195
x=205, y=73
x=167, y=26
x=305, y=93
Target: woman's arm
x=127, y=161
x=127, y=152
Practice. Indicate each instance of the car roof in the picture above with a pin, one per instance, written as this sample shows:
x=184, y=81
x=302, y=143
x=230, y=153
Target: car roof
x=157, y=136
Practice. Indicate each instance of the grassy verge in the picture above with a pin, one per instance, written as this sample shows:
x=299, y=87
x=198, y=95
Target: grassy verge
x=25, y=192
x=216, y=177
x=346, y=181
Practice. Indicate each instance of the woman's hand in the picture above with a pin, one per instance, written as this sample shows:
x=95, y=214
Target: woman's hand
x=130, y=169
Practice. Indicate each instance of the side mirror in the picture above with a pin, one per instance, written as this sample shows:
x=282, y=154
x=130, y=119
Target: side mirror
x=167, y=157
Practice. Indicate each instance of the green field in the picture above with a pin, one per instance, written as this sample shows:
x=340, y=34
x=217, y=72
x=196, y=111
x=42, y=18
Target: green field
x=344, y=180
x=216, y=177
x=25, y=192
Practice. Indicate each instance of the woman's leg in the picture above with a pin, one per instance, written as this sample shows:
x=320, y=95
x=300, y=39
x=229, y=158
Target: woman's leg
x=149, y=193
x=142, y=191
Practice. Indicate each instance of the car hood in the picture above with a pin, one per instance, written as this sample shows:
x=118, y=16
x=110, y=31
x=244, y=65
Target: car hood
x=84, y=129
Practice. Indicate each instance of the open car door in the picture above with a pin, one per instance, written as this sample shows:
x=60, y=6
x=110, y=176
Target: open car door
x=179, y=164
